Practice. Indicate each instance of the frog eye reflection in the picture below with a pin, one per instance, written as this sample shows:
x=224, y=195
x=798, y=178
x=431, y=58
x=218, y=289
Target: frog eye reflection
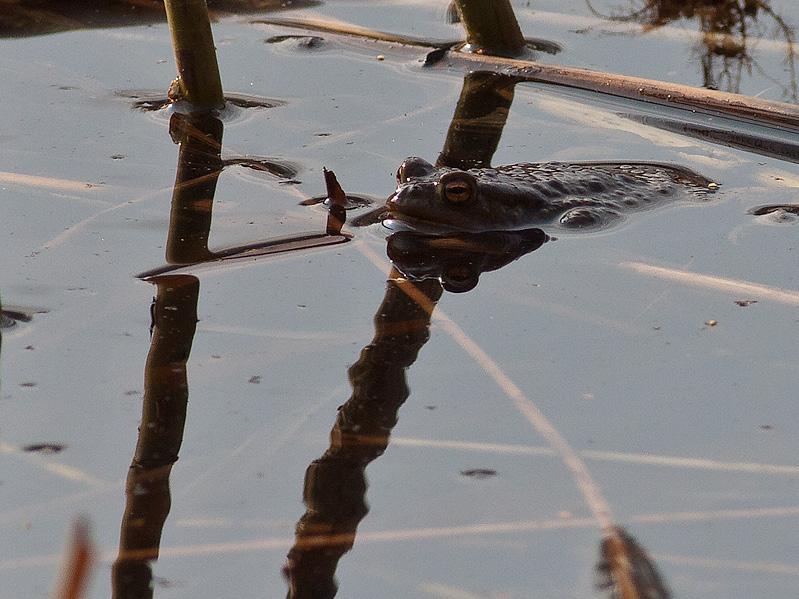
x=458, y=187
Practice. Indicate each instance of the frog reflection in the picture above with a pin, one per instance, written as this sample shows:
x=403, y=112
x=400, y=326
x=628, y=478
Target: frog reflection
x=458, y=260
x=512, y=197
x=335, y=486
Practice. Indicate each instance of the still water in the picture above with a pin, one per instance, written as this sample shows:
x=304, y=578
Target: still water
x=641, y=375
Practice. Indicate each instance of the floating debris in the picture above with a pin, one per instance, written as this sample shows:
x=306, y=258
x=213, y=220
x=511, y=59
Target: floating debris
x=298, y=42
x=777, y=213
x=479, y=473
x=337, y=211
x=46, y=448
x=744, y=303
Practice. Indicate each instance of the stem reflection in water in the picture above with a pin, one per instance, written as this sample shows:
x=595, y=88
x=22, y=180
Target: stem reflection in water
x=478, y=122
x=335, y=484
x=174, y=322
x=199, y=166
x=166, y=395
x=425, y=265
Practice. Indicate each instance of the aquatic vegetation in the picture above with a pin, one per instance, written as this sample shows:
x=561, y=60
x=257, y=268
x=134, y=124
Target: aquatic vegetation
x=726, y=27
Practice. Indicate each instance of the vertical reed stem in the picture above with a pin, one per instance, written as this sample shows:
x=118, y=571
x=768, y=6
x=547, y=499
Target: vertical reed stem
x=491, y=27
x=195, y=55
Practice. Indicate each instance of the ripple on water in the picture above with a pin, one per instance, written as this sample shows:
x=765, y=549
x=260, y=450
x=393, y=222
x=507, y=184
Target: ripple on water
x=299, y=43
x=238, y=107
x=777, y=214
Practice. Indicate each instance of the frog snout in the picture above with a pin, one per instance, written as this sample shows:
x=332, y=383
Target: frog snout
x=398, y=197
x=410, y=193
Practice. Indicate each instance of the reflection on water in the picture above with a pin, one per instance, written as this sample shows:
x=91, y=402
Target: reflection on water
x=20, y=18
x=726, y=27
x=335, y=484
x=154, y=101
x=199, y=165
x=173, y=325
x=479, y=119
x=626, y=571
x=174, y=322
x=424, y=265
x=778, y=214
x=7, y=319
x=459, y=259
x=463, y=192
x=166, y=394
x=10, y=318
x=733, y=134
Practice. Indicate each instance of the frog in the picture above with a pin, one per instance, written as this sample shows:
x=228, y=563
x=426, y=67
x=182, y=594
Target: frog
x=568, y=195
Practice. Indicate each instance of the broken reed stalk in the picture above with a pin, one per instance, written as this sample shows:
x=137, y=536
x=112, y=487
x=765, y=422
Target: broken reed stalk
x=198, y=79
x=776, y=114
x=764, y=112
x=337, y=211
x=491, y=27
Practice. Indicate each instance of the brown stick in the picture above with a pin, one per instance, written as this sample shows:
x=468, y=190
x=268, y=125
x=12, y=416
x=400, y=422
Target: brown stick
x=195, y=55
x=778, y=114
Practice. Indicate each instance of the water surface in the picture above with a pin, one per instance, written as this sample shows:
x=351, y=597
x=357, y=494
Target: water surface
x=632, y=342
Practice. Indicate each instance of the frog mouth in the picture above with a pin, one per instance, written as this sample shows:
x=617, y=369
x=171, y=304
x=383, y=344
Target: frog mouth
x=403, y=217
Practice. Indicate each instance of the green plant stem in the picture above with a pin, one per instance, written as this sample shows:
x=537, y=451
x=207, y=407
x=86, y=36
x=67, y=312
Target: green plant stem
x=491, y=27
x=195, y=55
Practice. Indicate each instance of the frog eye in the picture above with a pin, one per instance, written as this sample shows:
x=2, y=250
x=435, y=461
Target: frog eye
x=413, y=167
x=458, y=187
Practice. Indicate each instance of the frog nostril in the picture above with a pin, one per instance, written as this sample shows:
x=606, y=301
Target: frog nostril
x=393, y=199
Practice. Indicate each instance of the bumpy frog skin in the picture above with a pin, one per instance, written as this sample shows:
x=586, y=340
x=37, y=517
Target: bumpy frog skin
x=573, y=195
